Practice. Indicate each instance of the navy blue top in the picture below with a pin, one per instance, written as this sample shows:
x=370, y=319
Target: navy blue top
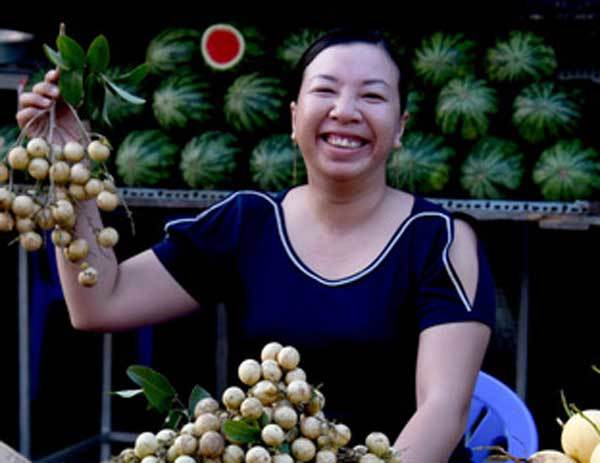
x=356, y=335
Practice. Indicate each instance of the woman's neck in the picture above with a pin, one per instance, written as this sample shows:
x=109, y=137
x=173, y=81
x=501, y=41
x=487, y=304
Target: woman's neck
x=339, y=206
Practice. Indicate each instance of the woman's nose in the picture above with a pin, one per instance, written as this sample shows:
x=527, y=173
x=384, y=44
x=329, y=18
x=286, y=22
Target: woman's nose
x=345, y=109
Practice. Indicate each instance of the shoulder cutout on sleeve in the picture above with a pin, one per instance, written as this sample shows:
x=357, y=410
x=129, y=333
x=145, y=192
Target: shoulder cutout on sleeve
x=463, y=256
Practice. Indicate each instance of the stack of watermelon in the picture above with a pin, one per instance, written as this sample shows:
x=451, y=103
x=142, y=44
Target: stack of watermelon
x=488, y=120
x=514, y=127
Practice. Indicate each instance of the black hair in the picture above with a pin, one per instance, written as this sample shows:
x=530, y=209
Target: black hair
x=350, y=35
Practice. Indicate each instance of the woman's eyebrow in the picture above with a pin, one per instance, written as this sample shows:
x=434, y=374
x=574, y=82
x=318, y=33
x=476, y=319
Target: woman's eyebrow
x=364, y=82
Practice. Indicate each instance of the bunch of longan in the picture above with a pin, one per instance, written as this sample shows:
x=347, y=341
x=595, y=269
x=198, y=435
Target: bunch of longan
x=278, y=418
x=63, y=178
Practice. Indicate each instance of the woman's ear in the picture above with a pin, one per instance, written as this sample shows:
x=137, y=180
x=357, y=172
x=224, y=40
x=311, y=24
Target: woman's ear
x=398, y=139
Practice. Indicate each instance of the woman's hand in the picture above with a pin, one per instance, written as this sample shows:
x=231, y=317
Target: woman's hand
x=38, y=103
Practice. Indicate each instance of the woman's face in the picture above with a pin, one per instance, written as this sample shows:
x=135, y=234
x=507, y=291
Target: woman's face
x=347, y=118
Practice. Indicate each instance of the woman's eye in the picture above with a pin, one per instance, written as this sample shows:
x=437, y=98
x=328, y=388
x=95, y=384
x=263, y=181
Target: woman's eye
x=373, y=96
x=323, y=90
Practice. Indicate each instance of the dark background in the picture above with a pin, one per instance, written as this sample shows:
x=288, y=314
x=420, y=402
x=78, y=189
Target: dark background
x=562, y=264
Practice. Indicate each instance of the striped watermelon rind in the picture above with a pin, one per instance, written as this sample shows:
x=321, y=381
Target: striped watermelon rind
x=209, y=160
x=222, y=66
x=421, y=165
x=465, y=105
x=542, y=112
x=173, y=49
x=181, y=100
x=443, y=57
x=493, y=168
x=254, y=102
x=524, y=56
x=276, y=163
x=146, y=158
x=292, y=48
x=567, y=171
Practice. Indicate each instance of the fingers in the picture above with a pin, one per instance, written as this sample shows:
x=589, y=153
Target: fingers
x=28, y=99
x=52, y=76
x=25, y=115
x=46, y=89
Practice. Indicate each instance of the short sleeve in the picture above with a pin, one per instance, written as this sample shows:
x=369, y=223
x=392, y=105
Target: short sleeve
x=201, y=252
x=441, y=297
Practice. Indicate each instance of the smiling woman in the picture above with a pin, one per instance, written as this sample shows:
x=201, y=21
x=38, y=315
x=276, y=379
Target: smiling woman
x=389, y=299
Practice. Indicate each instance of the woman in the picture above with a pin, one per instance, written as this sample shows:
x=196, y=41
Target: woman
x=365, y=280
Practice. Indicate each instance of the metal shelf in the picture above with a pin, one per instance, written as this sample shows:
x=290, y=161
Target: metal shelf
x=577, y=215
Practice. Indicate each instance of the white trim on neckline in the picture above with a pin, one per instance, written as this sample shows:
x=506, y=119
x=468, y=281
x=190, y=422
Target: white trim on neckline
x=342, y=281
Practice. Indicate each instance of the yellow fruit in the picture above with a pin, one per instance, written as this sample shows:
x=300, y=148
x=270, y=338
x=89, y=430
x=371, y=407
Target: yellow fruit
x=108, y=237
x=595, y=458
x=77, y=250
x=38, y=148
x=550, y=456
x=61, y=238
x=31, y=241
x=107, y=201
x=38, y=168
x=578, y=438
x=22, y=206
x=7, y=222
x=3, y=172
x=79, y=174
x=25, y=225
x=77, y=192
x=6, y=198
x=18, y=158
x=94, y=187
x=60, y=172
x=73, y=152
x=44, y=219
x=98, y=151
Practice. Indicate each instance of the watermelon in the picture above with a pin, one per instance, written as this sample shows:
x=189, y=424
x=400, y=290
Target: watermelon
x=276, y=163
x=146, y=158
x=444, y=57
x=180, y=100
x=295, y=45
x=254, y=102
x=8, y=137
x=421, y=165
x=492, y=168
x=173, y=49
x=567, y=171
x=208, y=161
x=464, y=105
x=541, y=112
x=524, y=56
x=223, y=46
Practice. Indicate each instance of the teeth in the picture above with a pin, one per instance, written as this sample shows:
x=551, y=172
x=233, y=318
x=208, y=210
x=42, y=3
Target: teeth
x=342, y=142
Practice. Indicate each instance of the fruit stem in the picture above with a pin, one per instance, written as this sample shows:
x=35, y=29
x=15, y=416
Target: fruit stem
x=86, y=138
x=579, y=412
x=565, y=405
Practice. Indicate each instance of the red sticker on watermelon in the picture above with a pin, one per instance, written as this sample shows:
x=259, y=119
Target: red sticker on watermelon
x=222, y=46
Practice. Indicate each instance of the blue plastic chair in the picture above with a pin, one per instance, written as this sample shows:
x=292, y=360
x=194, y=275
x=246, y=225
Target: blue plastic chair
x=498, y=416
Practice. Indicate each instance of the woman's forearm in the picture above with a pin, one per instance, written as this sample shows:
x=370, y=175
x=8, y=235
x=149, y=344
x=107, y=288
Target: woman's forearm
x=85, y=303
x=432, y=433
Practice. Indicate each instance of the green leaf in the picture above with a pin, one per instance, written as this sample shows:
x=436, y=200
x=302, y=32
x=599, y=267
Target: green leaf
x=264, y=420
x=105, y=117
x=157, y=388
x=174, y=418
x=196, y=396
x=128, y=393
x=241, y=432
x=135, y=76
x=98, y=55
x=55, y=58
x=94, y=96
x=122, y=93
x=71, y=86
x=71, y=52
